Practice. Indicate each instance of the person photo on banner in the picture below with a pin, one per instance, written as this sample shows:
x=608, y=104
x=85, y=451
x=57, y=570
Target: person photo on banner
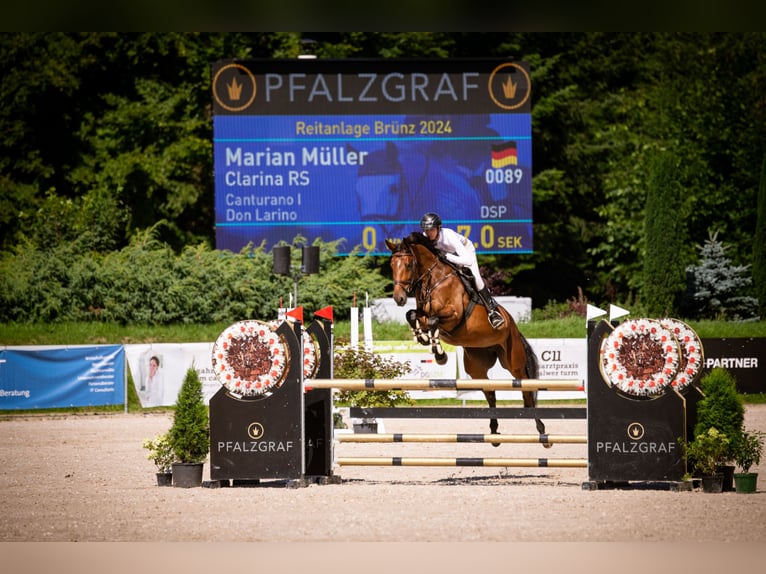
x=152, y=387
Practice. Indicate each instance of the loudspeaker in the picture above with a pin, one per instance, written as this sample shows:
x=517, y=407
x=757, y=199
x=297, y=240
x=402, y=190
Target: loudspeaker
x=310, y=259
x=281, y=259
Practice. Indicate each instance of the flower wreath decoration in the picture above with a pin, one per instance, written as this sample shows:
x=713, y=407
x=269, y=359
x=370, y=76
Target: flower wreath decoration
x=310, y=353
x=310, y=356
x=250, y=359
x=691, y=357
x=640, y=357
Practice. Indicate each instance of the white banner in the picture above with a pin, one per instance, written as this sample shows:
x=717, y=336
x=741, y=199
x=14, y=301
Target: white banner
x=158, y=370
x=558, y=359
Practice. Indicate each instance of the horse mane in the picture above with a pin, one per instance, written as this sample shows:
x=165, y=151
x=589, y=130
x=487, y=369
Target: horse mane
x=417, y=238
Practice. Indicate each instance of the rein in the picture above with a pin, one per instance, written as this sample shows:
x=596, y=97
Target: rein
x=427, y=289
x=427, y=273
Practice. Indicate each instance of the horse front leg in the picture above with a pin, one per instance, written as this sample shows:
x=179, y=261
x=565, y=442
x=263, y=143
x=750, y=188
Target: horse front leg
x=436, y=344
x=418, y=334
x=492, y=402
x=530, y=401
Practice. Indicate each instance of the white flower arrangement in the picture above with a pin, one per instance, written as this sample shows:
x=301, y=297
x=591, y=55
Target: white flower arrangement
x=160, y=452
x=309, y=353
x=691, y=358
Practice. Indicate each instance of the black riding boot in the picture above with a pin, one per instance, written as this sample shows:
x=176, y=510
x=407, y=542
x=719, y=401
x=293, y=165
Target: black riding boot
x=495, y=317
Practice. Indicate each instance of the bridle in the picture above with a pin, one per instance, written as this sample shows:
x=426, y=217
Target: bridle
x=409, y=285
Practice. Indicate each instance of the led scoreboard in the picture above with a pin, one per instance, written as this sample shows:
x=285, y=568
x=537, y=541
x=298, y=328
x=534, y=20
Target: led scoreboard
x=359, y=150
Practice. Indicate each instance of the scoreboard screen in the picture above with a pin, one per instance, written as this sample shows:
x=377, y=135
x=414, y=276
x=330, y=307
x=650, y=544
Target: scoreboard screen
x=359, y=150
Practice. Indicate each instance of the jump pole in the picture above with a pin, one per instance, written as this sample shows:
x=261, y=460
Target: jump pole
x=456, y=384
x=462, y=438
x=463, y=461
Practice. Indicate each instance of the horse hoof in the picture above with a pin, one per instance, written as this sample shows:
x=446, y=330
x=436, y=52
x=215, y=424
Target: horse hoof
x=441, y=359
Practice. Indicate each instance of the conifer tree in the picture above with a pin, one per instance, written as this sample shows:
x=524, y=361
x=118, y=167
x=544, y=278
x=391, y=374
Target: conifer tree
x=721, y=406
x=759, y=245
x=716, y=286
x=190, y=432
x=664, y=278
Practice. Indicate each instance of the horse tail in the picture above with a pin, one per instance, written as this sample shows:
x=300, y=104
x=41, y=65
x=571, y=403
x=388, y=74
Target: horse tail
x=531, y=364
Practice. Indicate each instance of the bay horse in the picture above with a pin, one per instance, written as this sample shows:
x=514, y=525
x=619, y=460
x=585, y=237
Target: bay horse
x=445, y=311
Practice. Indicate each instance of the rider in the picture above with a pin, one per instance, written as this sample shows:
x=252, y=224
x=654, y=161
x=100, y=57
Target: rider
x=459, y=251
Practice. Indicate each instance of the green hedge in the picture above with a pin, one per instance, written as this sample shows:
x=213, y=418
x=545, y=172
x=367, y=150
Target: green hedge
x=148, y=283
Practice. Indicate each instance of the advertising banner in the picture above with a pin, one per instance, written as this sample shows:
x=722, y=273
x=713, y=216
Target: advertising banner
x=744, y=358
x=557, y=359
x=159, y=369
x=61, y=377
x=360, y=150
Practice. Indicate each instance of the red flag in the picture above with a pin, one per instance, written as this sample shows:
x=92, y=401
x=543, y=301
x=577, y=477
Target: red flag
x=325, y=313
x=296, y=313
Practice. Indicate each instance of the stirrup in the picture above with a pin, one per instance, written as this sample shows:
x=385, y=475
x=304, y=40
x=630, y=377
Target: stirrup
x=496, y=319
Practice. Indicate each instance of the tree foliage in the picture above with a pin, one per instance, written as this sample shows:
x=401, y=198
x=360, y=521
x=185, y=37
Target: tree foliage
x=759, y=245
x=721, y=408
x=106, y=135
x=148, y=283
x=717, y=287
x=664, y=278
x=189, y=435
x=351, y=363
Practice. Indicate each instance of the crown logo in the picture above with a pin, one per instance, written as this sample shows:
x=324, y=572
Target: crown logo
x=234, y=89
x=509, y=88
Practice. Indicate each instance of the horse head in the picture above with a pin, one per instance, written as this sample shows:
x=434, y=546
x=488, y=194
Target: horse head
x=403, y=266
x=408, y=258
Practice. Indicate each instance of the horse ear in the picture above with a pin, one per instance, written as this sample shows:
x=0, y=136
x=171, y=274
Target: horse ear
x=391, y=245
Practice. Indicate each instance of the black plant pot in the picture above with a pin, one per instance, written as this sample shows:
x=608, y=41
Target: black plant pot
x=366, y=427
x=728, y=477
x=187, y=474
x=712, y=482
x=164, y=479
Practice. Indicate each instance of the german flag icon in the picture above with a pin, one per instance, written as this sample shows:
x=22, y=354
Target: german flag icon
x=504, y=154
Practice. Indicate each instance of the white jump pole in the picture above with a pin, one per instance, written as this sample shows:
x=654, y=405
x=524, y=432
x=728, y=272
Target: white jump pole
x=354, y=335
x=367, y=317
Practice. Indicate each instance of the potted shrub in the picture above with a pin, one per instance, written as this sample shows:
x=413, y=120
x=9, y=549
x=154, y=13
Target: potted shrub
x=350, y=363
x=708, y=450
x=723, y=408
x=747, y=452
x=190, y=432
x=162, y=455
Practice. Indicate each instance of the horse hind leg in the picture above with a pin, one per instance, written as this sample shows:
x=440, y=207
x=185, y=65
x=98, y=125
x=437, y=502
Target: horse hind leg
x=530, y=401
x=477, y=363
x=492, y=403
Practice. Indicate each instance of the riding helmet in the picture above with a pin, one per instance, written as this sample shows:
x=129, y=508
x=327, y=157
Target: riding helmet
x=430, y=220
